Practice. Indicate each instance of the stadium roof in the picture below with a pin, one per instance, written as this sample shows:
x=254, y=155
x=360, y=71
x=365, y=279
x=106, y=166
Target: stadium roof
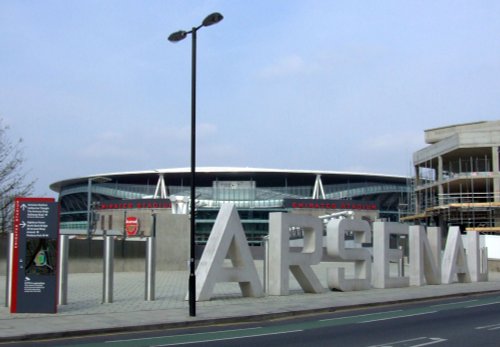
x=57, y=186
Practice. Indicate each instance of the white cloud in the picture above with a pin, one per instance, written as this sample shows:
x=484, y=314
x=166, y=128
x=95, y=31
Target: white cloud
x=394, y=141
x=180, y=134
x=289, y=65
x=141, y=142
x=110, y=145
x=205, y=130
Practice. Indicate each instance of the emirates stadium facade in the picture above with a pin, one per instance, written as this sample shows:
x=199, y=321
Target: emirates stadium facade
x=255, y=192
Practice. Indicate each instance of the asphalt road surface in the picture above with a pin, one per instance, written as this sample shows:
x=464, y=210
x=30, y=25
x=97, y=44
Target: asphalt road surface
x=464, y=321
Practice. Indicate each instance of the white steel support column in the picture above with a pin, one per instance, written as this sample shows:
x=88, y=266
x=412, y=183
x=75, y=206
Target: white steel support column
x=161, y=190
x=318, y=191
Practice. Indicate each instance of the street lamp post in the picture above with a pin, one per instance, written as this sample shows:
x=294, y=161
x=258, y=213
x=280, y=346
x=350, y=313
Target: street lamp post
x=175, y=37
x=89, y=208
x=98, y=179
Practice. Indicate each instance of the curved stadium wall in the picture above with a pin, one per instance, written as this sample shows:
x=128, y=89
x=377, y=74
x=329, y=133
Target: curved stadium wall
x=255, y=192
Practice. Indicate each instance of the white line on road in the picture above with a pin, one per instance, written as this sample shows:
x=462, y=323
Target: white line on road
x=492, y=326
x=489, y=303
x=227, y=338
x=454, y=303
x=361, y=315
x=167, y=336
x=395, y=342
x=433, y=340
x=408, y=315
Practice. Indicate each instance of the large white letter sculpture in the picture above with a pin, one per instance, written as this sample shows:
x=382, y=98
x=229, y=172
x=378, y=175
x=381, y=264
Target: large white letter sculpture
x=454, y=259
x=425, y=255
x=227, y=239
x=335, y=245
x=476, y=260
x=281, y=260
x=382, y=254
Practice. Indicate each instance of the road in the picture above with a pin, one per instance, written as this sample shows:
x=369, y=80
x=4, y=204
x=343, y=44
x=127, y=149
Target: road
x=465, y=321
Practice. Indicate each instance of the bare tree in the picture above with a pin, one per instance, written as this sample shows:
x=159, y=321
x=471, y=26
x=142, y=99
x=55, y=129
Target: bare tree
x=13, y=180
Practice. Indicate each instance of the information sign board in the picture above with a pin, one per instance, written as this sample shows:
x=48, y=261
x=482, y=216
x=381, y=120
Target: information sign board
x=33, y=269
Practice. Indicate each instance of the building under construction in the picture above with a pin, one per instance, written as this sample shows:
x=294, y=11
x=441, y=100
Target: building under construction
x=457, y=178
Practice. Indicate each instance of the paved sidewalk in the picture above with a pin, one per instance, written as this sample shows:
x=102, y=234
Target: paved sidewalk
x=85, y=314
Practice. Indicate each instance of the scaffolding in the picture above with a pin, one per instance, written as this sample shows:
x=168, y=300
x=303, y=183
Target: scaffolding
x=463, y=194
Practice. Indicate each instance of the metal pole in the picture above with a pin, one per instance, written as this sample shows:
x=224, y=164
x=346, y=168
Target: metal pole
x=89, y=202
x=484, y=261
x=151, y=264
x=401, y=263
x=266, y=264
x=192, y=275
x=175, y=37
x=62, y=296
x=8, y=273
x=109, y=250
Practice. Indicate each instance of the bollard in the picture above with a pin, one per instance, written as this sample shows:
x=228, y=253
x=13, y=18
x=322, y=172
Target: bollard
x=8, y=274
x=150, y=268
x=265, y=271
x=62, y=264
x=484, y=262
x=109, y=251
x=401, y=265
x=150, y=280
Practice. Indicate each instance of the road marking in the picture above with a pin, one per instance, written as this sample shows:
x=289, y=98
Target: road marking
x=489, y=303
x=454, y=303
x=395, y=317
x=395, y=342
x=185, y=339
x=433, y=340
x=227, y=338
x=358, y=316
x=489, y=327
x=183, y=335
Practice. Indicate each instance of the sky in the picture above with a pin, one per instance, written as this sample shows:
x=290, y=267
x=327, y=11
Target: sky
x=95, y=87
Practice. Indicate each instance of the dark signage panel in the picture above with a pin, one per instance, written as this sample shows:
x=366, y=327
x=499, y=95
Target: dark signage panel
x=134, y=204
x=34, y=266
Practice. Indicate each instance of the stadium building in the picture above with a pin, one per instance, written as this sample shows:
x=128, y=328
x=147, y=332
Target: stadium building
x=255, y=192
